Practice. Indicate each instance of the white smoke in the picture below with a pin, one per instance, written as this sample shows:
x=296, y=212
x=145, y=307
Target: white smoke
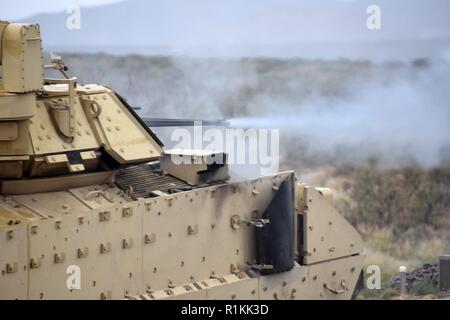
x=327, y=111
x=405, y=121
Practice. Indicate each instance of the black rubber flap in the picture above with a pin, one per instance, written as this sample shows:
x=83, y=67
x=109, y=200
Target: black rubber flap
x=275, y=240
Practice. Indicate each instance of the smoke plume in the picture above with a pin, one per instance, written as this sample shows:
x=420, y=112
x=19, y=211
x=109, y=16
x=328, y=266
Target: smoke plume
x=402, y=121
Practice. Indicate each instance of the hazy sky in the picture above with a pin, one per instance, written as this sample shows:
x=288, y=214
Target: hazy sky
x=16, y=9
x=412, y=28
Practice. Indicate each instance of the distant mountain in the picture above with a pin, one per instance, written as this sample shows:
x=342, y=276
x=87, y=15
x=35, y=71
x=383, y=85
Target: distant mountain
x=322, y=28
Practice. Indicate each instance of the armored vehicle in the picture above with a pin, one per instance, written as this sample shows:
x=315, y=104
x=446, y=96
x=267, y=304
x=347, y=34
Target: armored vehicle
x=91, y=206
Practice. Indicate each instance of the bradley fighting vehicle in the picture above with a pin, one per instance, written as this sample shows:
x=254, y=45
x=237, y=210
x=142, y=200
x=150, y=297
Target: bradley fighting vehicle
x=91, y=206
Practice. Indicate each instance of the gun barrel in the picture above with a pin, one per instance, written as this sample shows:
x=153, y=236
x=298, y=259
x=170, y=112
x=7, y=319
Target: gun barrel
x=168, y=122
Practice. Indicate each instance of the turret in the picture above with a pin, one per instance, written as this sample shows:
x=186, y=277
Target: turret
x=55, y=133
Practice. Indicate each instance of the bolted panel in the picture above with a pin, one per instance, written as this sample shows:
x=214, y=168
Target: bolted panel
x=22, y=58
x=334, y=279
x=326, y=234
x=118, y=131
x=13, y=262
x=99, y=247
x=191, y=235
x=45, y=137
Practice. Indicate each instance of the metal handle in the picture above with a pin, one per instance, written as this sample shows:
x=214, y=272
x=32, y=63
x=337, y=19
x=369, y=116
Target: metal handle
x=258, y=223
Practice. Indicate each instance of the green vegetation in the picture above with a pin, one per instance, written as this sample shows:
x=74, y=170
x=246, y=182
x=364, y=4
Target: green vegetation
x=400, y=198
x=404, y=218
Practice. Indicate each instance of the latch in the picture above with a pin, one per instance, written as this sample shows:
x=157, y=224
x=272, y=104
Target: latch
x=236, y=220
x=258, y=223
x=342, y=288
x=261, y=266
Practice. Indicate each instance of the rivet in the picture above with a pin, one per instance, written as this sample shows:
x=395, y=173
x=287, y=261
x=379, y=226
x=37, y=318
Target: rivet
x=235, y=221
x=10, y=235
x=11, y=267
x=105, y=247
x=34, y=229
x=59, y=257
x=293, y=293
x=82, y=253
x=150, y=238
x=104, y=216
x=127, y=243
x=35, y=263
x=193, y=229
x=127, y=212
x=169, y=292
